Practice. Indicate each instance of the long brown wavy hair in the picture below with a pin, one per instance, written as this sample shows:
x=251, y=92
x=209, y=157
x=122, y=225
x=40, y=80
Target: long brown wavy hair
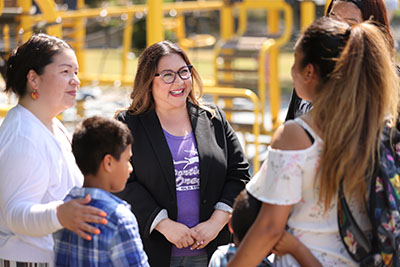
x=358, y=91
x=141, y=95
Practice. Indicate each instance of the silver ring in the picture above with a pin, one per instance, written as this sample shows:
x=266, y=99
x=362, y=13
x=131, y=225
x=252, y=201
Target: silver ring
x=197, y=243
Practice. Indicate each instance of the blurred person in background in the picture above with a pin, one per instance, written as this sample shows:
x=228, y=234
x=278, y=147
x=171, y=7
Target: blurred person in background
x=351, y=12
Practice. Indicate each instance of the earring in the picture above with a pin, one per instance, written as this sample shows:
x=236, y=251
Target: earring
x=34, y=94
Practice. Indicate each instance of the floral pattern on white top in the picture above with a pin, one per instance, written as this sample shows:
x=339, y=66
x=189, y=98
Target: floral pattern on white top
x=287, y=177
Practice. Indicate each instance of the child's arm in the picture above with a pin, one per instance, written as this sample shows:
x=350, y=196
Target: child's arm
x=262, y=235
x=290, y=244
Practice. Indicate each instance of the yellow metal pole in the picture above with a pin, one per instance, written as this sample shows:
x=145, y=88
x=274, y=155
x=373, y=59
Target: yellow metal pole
x=262, y=74
x=154, y=27
x=127, y=40
x=79, y=36
x=274, y=86
x=180, y=28
x=307, y=13
x=227, y=33
x=6, y=37
x=80, y=4
x=226, y=21
x=26, y=19
x=1, y=6
x=273, y=28
x=273, y=21
x=242, y=20
x=327, y=2
x=48, y=8
x=245, y=93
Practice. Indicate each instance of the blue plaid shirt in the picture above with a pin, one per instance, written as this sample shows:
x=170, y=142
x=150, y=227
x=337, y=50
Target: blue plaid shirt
x=118, y=244
x=223, y=254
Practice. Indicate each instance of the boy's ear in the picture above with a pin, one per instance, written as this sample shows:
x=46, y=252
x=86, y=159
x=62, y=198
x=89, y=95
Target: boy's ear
x=230, y=226
x=107, y=163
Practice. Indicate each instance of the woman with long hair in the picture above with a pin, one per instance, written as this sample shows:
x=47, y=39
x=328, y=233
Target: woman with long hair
x=348, y=74
x=188, y=165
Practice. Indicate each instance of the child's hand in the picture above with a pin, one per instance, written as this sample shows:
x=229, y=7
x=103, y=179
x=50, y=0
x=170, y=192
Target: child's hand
x=288, y=244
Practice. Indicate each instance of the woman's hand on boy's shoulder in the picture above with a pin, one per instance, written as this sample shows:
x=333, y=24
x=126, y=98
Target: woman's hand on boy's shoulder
x=75, y=215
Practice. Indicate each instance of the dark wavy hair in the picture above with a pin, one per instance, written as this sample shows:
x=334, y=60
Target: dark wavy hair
x=370, y=9
x=35, y=54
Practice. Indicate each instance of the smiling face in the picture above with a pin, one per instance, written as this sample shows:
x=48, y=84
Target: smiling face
x=174, y=95
x=58, y=84
x=346, y=12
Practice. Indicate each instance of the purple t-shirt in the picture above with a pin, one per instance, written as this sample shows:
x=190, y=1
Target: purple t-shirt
x=187, y=180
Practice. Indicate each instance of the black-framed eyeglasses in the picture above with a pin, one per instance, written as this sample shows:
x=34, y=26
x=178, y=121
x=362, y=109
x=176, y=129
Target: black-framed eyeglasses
x=169, y=76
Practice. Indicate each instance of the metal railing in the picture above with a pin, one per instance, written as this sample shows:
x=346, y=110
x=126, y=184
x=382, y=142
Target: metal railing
x=270, y=48
x=248, y=94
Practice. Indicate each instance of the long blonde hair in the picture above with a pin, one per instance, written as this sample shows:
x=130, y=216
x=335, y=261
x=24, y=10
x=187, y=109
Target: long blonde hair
x=353, y=101
x=142, y=99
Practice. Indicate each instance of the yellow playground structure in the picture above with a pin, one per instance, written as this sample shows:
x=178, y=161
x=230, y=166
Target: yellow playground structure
x=257, y=81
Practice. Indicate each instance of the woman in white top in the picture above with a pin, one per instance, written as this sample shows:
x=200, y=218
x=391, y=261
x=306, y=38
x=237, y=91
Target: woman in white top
x=37, y=167
x=347, y=73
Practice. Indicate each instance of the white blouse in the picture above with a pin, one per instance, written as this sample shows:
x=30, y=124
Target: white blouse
x=287, y=178
x=37, y=169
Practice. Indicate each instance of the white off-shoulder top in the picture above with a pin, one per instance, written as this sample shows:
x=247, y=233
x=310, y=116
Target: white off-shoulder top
x=287, y=177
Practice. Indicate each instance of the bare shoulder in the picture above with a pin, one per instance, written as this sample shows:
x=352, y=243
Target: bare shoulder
x=290, y=136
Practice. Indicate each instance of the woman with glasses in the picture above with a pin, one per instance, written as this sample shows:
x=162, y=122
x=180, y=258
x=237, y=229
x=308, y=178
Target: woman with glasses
x=351, y=12
x=188, y=165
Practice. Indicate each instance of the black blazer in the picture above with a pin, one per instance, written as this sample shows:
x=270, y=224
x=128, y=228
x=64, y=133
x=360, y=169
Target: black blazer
x=151, y=187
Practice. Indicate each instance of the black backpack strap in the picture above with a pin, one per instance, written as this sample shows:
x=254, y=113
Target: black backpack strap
x=353, y=238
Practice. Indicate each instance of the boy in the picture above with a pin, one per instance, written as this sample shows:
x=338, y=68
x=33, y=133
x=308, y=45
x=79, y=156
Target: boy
x=245, y=211
x=102, y=149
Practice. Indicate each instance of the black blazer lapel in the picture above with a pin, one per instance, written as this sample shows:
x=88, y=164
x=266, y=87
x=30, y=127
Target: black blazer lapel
x=154, y=131
x=202, y=129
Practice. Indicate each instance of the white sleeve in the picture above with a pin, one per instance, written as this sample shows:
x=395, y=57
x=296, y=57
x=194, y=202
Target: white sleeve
x=163, y=214
x=224, y=207
x=279, y=180
x=24, y=179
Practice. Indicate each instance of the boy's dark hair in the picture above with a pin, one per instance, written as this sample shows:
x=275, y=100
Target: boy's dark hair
x=96, y=137
x=245, y=211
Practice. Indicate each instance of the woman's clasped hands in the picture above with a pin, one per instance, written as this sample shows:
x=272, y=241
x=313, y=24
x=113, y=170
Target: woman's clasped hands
x=197, y=237
x=182, y=236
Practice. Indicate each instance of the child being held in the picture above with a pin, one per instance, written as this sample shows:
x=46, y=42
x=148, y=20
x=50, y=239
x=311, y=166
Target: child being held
x=102, y=148
x=245, y=211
